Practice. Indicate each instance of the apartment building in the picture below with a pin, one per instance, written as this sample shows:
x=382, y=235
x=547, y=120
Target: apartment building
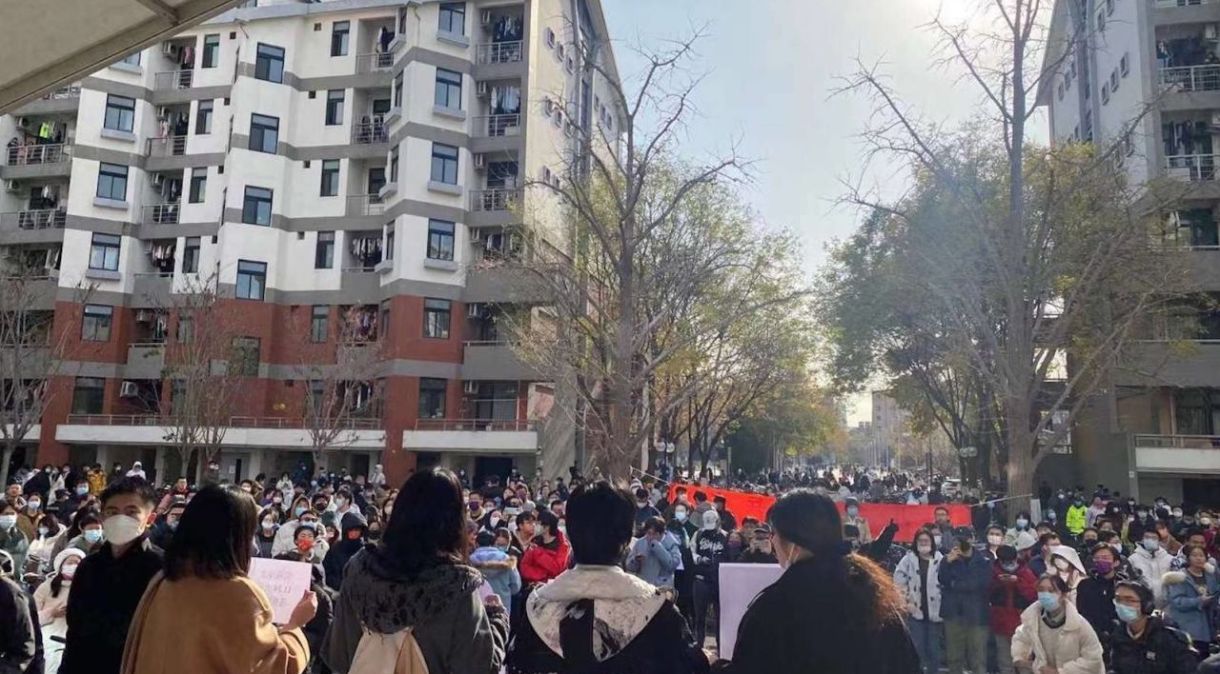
x=321, y=162
x=1144, y=75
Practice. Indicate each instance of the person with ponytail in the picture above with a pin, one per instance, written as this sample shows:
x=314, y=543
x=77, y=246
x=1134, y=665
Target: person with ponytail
x=831, y=611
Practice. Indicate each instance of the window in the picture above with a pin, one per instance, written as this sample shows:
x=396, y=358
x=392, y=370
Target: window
x=199, y=185
x=131, y=59
x=398, y=81
x=88, y=395
x=104, y=252
x=269, y=63
x=376, y=180
x=334, y=107
x=496, y=400
x=1105, y=93
x=448, y=89
x=444, y=164
x=319, y=322
x=251, y=280
x=550, y=38
x=339, y=33
x=453, y=18
x=203, y=118
x=561, y=52
x=440, y=240
x=330, y=177
x=95, y=327
x=245, y=356
x=112, y=182
x=394, y=165
x=384, y=321
x=324, y=251
x=186, y=329
x=120, y=113
x=211, y=51
x=1114, y=80
x=264, y=133
x=431, y=398
x=436, y=319
x=256, y=209
x=190, y=255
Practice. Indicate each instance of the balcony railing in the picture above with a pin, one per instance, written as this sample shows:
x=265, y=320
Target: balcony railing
x=360, y=269
x=288, y=422
x=161, y=214
x=173, y=79
x=34, y=155
x=371, y=63
x=1191, y=78
x=1166, y=4
x=495, y=126
x=234, y=422
x=1178, y=441
x=70, y=91
x=1195, y=167
x=474, y=425
x=499, y=52
x=170, y=146
x=370, y=132
x=44, y=218
x=365, y=204
x=497, y=199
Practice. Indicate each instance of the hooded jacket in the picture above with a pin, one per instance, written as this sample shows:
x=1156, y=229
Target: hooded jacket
x=1009, y=599
x=906, y=577
x=1152, y=567
x=655, y=561
x=602, y=620
x=1185, y=604
x=1078, y=650
x=343, y=549
x=454, y=632
x=504, y=582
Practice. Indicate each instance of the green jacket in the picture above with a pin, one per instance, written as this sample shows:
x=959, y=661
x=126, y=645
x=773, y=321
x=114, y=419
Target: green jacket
x=1075, y=520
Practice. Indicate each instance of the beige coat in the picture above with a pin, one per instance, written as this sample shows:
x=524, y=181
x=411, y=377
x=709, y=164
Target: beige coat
x=1078, y=651
x=202, y=626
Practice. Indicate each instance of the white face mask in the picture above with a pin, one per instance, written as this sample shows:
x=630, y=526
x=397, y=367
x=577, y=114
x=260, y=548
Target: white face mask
x=68, y=570
x=121, y=529
x=994, y=539
x=1063, y=565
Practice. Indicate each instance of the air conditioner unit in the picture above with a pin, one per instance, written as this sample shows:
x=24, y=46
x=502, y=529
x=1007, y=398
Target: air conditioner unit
x=474, y=310
x=476, y=236
x=482, y=90
x=158, y=180
x=480, y=162
x=470, y=387
x=168, y=49
x=12, y=186
x=129, y=390
x=163, y=112
x=486, y=17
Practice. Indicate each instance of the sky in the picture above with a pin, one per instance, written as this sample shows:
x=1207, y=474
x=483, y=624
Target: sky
x=770, y=71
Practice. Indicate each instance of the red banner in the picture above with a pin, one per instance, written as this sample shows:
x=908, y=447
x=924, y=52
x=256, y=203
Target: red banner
x=909, y=518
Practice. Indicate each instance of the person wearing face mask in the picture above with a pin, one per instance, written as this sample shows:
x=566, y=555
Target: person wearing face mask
x=683, y=530
x=352, y=537
x=995, y=539
x=12, y=539
x=1012, y=591
x=1142, y=643
x=42, y=548
x=1152, y=562
x=547, y=557
x=1190, y=596
x=644, y=510
x=108, y=585
x=1065, y=562
x=853, y=518
x=283, y=535
x=1076, y=518
x=759, y=551
x=51, y=598
x=1021, y=523
x=655, y=555
x=28, y=517
x=1095, y=594
x=916, y=577
x=965, y=581
x=163, y=530
x=830, y=611
x=708, y=550
x=264, y=537
x=503, y=577
x=1053, y=638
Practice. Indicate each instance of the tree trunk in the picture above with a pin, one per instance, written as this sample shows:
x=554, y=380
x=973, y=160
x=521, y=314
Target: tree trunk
x=9, y=450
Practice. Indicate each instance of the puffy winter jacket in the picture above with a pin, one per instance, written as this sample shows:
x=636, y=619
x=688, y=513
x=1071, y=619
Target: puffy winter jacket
x=545, y=561
x=1185, y=604
x=1077, y=651
x=655, y=561
x=1152, y=567
x=1009, y=599
x=1161, y=649
x=906, y=577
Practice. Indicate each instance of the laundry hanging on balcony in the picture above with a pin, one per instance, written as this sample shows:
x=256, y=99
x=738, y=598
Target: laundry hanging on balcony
x=507, y=29
x=366, y=249
x=505, y=100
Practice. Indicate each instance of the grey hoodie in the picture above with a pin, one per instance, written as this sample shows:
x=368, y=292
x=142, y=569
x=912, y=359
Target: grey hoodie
x=455, y=634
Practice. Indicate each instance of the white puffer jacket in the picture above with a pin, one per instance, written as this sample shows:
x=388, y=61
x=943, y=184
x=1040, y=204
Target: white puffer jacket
x=906, y=577
x=1078, y=650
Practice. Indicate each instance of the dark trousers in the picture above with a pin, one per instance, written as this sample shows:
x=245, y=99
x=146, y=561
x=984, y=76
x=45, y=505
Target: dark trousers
x=682, y=588
x=705, y=596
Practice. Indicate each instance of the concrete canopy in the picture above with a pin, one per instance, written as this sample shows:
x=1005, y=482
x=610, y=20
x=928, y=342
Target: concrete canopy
x=46, y=44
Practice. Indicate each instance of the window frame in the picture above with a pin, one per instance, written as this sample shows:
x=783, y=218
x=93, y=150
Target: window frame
x=438, y=318
x=203, y=117
x=399, y=82
x=190, y=254
x=432, y=390
x=319, y=323
x=1124, y=65
x=334, y=106
x=197, y=189
x=447, y=81
x=260, y=128
x=440, y=154
x=331, y=173
x=393, y=166
x=265, y=59
x=388, y=255
x=255, y=274
x=324, y=250
x=96, y=323
x=437, y=236
x=111, y=171
x=95, y=389
x=257, y=200
x=209, y=54
x=107, y=249
x=343, y=35
x=446, y=15
x=240, y=351
x=124, y=113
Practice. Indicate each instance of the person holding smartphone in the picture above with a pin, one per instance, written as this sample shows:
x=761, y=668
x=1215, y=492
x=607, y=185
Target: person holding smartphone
x=965, y=581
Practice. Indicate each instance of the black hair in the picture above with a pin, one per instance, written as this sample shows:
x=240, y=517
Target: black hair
x=1103, y=547
x=86, y=518
x=1141, y=590
x=213, y=537
x=129, y=485
x=1046, y=537
x=600, y=523
x=550, y=520
x=810, y=520
x=429, y=523
x=1006, y=553
x=655, y=525
x=641, y=493
x=700, y=496
x=57, y=581
x=523, y=518
x=1189, y=548
x=1056, y=582
x=503, y=532
x=484, y=539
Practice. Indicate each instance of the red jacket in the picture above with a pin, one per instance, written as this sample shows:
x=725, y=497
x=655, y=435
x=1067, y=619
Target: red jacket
x=543, y=562
x=1009, y=599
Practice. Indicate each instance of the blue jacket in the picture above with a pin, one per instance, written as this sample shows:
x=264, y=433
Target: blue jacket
x=1185, y=605
x=964, y=589
x=504, y=582
x=654, y=561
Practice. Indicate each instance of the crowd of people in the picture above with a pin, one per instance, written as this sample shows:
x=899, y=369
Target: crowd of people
x=103, y=572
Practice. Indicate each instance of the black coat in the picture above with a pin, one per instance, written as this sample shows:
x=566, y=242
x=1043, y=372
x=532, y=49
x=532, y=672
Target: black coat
x=104, y=597
x=1162, y=650
x=805, y=622
x=20, y=635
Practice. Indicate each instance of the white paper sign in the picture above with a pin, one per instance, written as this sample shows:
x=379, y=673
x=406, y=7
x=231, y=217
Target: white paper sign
x=283, y=581
x=739, y=584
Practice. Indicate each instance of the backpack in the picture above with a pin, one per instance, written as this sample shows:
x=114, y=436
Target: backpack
x=396, y=653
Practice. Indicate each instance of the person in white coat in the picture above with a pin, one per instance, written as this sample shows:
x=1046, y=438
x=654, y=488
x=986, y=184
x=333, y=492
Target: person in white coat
x=1066, y=563
x=1152, y=562
x=51, y=598
x=916, y=577
x=1053, y=637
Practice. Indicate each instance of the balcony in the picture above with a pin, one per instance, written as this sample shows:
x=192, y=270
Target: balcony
x=35, y=219
x=503, y=283
x=495, y=134
x=364, y=204
x=1184, y=12
x=495, y=199
x=1180, y=454
x=160, y=214
x=494, y=361
x=61, y=101
x=172, y=80
x=374, y=63
x=1192, y=167
x=473, y=436
x=145, y=360
x=1191, y=78
x=499, y=52
x=371, y=133
x=170, y=146
x=242, y=431
x=37, y=161
x=151, y=289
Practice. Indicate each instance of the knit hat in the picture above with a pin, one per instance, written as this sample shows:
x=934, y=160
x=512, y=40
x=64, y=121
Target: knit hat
x=64, y=555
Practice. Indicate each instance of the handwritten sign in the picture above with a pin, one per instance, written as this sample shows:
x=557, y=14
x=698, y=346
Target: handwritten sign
x=284, y=583
x=739, y=584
